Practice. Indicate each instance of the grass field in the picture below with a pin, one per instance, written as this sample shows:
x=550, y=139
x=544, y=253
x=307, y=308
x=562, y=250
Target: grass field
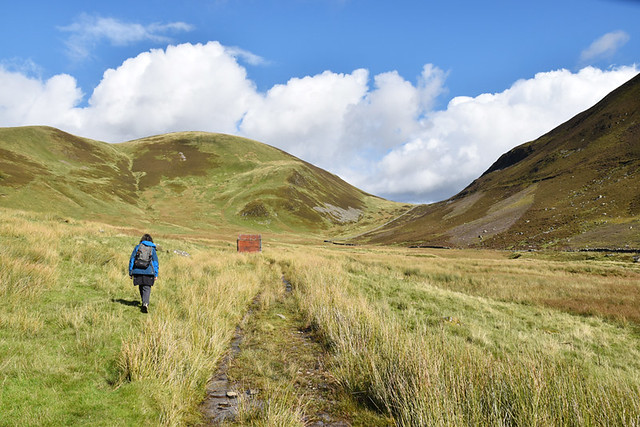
x=418, y=337
x=74, y=347
x=470, y=338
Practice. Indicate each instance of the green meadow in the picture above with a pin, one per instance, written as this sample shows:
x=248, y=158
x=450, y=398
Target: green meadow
x=408, y=336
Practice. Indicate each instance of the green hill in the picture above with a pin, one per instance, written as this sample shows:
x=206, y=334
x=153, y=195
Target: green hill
x=577, y=186
x=47, y=170
x=185, y=182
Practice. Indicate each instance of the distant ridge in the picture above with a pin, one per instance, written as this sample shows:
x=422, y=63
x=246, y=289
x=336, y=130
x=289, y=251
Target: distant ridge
x=577, y=186
x=188, y=182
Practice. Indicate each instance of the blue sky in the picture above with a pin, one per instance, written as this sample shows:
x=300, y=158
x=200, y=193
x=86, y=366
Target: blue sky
x=410, y=100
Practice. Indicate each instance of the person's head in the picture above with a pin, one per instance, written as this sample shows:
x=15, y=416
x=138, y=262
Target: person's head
x=147, y=237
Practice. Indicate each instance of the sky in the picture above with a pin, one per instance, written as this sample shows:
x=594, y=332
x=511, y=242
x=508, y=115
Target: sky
x=409, y=100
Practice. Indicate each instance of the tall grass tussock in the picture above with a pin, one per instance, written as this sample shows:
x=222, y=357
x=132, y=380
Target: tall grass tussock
x=426, y=368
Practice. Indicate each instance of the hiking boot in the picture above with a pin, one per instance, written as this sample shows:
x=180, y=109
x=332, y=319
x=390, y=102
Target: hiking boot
x=145, y=308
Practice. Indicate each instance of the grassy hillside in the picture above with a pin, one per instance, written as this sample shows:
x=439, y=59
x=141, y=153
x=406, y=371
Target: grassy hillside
x=415, y=337
x=189, y=182
x=577, y=186
x=44, y=169
x=204, y=180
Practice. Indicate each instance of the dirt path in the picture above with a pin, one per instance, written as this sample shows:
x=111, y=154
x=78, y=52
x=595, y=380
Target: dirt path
x=221, y=402
x=277, y=357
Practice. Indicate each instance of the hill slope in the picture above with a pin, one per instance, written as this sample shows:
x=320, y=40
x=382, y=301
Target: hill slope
x=191, y=181
x=576, y=186
x=47, y=170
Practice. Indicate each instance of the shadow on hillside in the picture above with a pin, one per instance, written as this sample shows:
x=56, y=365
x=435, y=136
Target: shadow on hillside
x=126, y=302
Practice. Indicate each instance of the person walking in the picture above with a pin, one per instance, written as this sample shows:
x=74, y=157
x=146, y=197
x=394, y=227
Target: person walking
x=143, y=268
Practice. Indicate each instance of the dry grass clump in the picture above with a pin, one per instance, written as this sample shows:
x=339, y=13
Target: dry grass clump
x=427, y=369
x=199, y=302
x=283, y=409
x=28, y=256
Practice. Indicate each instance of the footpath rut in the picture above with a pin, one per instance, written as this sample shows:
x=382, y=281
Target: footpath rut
x=221, y=402
x=279, y=338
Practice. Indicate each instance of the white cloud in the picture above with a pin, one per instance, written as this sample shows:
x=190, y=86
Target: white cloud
x=87, y=31
x=249, y=57
x=32, y=101
x=391, y=111
x=380, y=133
x=337, y=121
x=185, y=87
x=23, y=66
x=604, y=47
x=456, y=145
x=306, y=116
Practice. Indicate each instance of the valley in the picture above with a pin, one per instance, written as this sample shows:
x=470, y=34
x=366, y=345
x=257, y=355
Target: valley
x=403, y=336
x=514, y=302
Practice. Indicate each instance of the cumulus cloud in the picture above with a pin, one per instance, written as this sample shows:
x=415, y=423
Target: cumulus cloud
x=87, y=31
x=378, y=132
x=306, y=116
x=32, y=101
x=456, y=145
x=185, y=87
x=340, y=122
x=604, y=47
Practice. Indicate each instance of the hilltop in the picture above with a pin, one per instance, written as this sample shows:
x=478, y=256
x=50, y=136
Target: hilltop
x=578, y=186
x=188, y=182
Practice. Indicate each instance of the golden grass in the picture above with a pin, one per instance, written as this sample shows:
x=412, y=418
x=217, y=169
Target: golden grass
x=426, y=337
x=592, y=287
x=443, y=357
x=28, y=256
x=283, y=409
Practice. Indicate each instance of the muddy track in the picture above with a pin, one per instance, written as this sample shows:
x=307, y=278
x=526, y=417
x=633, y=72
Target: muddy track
x=313, y=381
x=221, y=402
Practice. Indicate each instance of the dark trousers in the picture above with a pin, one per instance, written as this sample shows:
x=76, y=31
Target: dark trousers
x=145, y=292
x=144, y=283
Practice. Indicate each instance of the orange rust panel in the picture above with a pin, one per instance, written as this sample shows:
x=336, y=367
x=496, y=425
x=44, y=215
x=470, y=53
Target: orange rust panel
x=249, y=243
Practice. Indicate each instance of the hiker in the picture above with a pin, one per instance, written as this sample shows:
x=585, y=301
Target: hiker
x=143, y=268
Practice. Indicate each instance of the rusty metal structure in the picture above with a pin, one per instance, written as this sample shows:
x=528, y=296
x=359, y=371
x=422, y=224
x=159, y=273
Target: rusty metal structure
x=249, y=243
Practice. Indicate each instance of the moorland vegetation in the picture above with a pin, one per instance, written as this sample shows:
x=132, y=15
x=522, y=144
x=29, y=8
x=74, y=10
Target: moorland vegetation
x=416, y=336
x=573, y=188
x=399, y=335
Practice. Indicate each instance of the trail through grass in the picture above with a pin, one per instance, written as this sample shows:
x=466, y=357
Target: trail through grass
x=284, y=361
x=404, y=337
x=74, y=347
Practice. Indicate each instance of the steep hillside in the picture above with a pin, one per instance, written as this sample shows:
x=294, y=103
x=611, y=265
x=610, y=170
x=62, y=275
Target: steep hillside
x=577, y=186
x=47, y=170
x=189, y=181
